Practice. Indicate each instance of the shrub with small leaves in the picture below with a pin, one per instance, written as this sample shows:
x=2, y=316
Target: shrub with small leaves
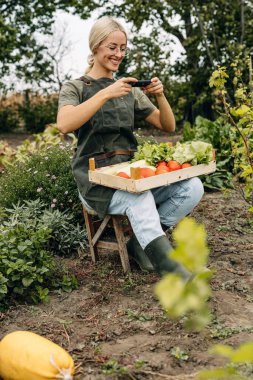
x=26, y=266
x=51, y=136
x=66, y=235
x=45, y=175
x=29, y=235
x=239, y=113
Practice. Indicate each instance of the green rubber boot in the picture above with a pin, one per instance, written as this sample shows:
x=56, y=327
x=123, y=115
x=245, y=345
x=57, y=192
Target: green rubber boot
x=137, y=253
x=158, y=252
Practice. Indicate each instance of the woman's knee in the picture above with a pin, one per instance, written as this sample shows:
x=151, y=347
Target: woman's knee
x=196, y=189
x=123, y=201
x=143, y=202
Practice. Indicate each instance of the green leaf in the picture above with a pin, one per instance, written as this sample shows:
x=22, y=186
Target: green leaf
x=218, y=374
x=177, y=297
x=223, y=350
x=27, y=281
x=3, y=289
x=191, y=252
x=240, y=111
x=244, y=354
x=21, y=248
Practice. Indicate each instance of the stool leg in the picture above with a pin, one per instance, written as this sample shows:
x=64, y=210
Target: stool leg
x=90, y=233
x=121, y=244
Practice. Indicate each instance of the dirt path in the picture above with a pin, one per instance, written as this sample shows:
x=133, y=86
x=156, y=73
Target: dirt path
x=114, y=322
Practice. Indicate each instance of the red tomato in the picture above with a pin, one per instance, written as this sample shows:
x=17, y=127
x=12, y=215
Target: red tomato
x=161, y=163
x=123, y=175
x=173, y=165
x=186, y=165
x=163, y=167
x=147, y=172
x=161, y=170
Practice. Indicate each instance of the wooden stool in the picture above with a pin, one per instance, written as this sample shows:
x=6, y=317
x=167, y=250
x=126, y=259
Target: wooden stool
x=95, y=229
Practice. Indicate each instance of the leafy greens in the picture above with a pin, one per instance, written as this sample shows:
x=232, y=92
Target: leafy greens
x=194, y=152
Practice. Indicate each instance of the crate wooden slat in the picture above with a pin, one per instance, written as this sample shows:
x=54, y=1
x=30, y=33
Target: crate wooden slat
x=106, y=176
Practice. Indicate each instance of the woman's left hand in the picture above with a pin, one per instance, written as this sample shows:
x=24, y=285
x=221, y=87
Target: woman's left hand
x=156, y=87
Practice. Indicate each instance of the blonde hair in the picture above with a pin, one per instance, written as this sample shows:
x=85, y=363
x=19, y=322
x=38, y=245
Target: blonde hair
x=99, y=32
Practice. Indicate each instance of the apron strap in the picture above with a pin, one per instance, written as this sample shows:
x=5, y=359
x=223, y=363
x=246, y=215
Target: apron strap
x=85, y=81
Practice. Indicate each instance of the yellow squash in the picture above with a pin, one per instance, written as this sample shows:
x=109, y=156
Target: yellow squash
x=28, y=356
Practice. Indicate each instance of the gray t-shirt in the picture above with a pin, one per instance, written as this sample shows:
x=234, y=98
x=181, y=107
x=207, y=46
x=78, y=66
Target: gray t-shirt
x=72, y=94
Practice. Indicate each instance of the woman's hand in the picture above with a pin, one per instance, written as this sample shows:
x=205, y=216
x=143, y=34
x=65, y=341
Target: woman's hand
x=156, y=87
x=120, y=88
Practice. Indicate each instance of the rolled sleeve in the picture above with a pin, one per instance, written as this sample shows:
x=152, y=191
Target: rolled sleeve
x=71, y=94
x=143, y=107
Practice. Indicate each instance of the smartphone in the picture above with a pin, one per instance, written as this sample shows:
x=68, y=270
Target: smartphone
x=140, y=83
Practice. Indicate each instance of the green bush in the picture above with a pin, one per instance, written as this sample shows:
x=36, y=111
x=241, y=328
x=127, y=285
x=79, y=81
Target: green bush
x=26, y=266
x=67, y=236
x=38, y=112
x=45, y=175
x=217, y=133
x=9, y=118
x=29, y=237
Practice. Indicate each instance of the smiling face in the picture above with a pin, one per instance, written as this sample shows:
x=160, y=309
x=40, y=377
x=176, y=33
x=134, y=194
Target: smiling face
x=110, y=53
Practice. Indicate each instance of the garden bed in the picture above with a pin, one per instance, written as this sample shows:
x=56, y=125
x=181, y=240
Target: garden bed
x=112, y=322
x=104, y=319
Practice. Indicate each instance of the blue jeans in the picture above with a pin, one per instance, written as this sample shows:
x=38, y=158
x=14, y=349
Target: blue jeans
x=166, y=205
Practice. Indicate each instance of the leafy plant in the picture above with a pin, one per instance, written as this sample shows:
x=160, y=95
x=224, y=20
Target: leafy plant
x=195, y=152
x=241, y=355
x=219, y=331
x=218, y=134
x=240, y=115
x=68, y=283
x=66, y=235
x=51, y=136
x=177, y=297
x=27, y=266
x=112, y=367
x=179, y=354
x=44, y=175
x=133, y=315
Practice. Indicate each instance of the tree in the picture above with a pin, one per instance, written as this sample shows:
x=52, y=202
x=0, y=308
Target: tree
x=22, y=22
x=210, y=32
x=59, y=46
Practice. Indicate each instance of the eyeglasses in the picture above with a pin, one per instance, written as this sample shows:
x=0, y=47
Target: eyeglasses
x=116, y=49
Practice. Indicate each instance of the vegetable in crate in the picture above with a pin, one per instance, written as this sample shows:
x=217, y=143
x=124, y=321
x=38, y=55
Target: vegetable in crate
x=145, y=170
x=28, y=356
x=192, y=152
x=153, y=153
x=195, y=152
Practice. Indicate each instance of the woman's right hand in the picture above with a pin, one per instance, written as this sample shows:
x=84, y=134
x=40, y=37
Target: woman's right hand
x=120, y=88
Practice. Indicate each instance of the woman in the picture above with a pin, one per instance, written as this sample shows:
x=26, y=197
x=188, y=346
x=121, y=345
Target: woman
x=102, y=112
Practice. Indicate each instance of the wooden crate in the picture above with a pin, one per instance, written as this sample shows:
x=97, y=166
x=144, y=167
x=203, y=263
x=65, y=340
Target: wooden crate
x=106, y=176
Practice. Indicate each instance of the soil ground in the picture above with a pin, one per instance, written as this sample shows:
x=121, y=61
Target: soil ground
x=116, y=319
